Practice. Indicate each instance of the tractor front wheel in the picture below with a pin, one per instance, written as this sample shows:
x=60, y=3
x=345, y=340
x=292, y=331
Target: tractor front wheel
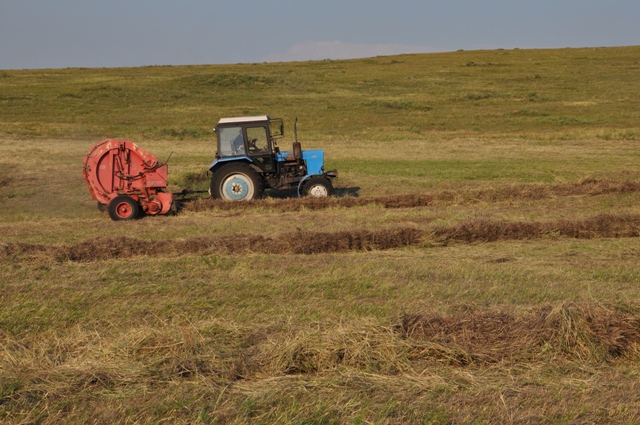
x=123, y=208
x=317, y=187
x=236, y=182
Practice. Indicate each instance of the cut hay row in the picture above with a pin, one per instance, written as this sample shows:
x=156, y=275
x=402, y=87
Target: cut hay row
x=103, y=248
x=224, y=350
x=579, y=331
x=305, y=242
x=590, y=187
x=486, y=230
x=431, y=353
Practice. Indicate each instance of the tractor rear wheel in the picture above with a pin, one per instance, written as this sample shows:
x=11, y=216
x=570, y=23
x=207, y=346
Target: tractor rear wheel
x=236, y=182
x=123, y=208
x=317, y=187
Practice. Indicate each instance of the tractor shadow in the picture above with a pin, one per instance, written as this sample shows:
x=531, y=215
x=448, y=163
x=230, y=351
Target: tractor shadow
x=342, y=192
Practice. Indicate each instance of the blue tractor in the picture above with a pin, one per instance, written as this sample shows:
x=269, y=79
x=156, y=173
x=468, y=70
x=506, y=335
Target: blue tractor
x=248, y=161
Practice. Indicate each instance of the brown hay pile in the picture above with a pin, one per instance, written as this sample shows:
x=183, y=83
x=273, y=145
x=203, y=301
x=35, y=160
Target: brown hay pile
x=582, y=332
x=221, y=349
x=575, y=331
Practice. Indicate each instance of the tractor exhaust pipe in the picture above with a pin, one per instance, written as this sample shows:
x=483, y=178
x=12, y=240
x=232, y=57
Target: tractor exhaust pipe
x=297, y=148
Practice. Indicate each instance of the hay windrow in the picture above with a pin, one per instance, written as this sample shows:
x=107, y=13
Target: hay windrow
x=574, y=330
x=475, y=337
x=588, y=187
x=301, y=242
x=486, y=230
x=305, y=242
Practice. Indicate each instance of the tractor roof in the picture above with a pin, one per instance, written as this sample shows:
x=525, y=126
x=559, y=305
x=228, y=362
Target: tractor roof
x=236, y=120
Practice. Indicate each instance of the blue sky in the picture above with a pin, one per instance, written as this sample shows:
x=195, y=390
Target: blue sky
x=114, y=33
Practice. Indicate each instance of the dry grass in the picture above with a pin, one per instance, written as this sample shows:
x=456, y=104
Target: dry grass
x=573, y=331
x=478, y=266
x=419, y=361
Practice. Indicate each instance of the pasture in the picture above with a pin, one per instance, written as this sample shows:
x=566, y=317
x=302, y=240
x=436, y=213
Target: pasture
x=480, y=263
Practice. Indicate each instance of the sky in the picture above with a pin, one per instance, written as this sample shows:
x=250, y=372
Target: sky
x=123, y=33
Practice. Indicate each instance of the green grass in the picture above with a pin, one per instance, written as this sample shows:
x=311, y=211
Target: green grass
x=420, y=97
x=283, y=338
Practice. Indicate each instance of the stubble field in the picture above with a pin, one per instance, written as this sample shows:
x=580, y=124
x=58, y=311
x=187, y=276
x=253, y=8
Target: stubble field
x=479, y=264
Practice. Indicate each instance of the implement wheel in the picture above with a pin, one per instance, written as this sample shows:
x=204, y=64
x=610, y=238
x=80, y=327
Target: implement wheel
x=236, y=182
x=123, y=208
x=317, y=187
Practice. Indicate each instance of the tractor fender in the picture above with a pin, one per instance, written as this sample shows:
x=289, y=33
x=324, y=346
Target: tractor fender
x=328, y=175
x=218, y=163
x=303, y=181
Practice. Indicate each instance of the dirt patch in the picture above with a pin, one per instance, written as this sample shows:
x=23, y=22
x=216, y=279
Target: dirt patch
x=590, y=187
x=12, y=250
x=7, y=174
x=577, y=331
x=5, y=181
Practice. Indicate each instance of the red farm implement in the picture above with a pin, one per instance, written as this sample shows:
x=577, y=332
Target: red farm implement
x=126, y=179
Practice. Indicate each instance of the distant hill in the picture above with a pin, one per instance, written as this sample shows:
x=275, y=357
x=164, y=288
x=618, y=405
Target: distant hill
x=589, y=91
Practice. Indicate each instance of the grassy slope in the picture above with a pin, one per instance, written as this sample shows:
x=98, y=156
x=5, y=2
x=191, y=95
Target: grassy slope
x=283, y=338
x=541, y=93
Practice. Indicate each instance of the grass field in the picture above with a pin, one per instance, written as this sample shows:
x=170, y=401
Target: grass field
x=479, y=264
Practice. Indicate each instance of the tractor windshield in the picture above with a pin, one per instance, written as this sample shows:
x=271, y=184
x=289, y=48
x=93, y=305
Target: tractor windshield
x=258, y=143
x=231, y=142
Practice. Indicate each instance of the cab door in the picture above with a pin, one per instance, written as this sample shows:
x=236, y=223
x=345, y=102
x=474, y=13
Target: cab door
x=259, y=147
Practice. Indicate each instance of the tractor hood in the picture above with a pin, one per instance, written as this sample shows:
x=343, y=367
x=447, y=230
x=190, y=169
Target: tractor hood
x=313, y=158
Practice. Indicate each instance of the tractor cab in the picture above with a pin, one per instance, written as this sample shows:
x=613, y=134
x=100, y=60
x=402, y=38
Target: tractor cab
x=253, y=138
x=248, y=160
